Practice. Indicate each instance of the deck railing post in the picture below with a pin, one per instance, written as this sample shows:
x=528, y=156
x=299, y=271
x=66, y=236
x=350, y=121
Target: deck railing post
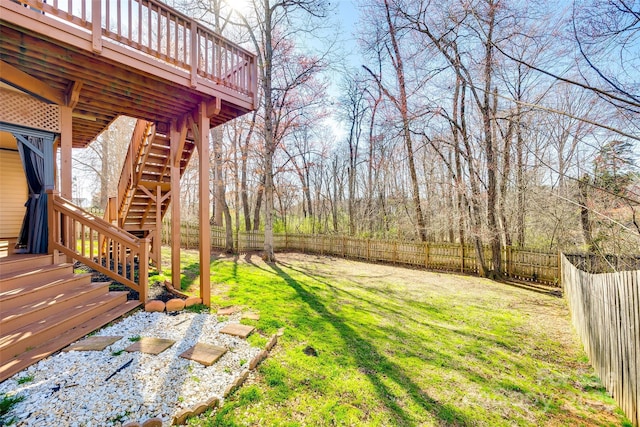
x=143, y=268
x=96, y=28
x=51, y=223
x=194, y=53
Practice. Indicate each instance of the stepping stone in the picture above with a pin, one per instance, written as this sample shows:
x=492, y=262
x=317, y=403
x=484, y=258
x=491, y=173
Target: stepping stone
x=251, y=316
x=94, y=343
x=205, y=354
x=227, y=311
x=150, y=345
x=237, y=330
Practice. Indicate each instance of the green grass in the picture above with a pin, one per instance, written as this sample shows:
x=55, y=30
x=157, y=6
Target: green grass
x=404, y=348
x=25, y=379
x=7, y=402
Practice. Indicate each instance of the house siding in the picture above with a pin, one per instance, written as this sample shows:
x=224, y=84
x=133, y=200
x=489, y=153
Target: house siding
x=13, y=189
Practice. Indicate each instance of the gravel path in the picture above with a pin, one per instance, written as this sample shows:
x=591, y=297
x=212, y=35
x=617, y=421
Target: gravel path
x=71, y=388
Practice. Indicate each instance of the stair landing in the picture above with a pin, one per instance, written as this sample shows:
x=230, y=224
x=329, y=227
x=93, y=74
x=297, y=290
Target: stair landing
x=45, y=306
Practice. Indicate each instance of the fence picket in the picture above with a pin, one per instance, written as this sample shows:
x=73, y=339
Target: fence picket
x=605, y=311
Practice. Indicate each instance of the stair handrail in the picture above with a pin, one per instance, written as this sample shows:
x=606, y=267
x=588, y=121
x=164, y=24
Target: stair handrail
x=126, y=176
x=70, y=226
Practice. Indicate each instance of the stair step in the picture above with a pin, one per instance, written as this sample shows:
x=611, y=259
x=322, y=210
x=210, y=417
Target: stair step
x=36, y=291
x=13, y=263
x=33, y=276
x=29, y=336
x=28, y=358
x=19, y=315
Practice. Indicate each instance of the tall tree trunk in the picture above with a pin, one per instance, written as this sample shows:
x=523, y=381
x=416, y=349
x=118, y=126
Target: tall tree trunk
x=459, y=183
x=520, y=216
x=258, y=207
x=219, y=191
x=228, y=225
x=585, y=221
x=406, y=129
x=244, y=193
x=269, y=137
x=492, y=160
x=506, y=171
x=475, y=210
x=236, y=180
x=334, y=199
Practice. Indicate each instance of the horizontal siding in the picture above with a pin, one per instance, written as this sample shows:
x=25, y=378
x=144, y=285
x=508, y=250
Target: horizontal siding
x=13, y=193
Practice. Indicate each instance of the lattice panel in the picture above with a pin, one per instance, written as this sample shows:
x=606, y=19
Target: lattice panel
x=20, y=109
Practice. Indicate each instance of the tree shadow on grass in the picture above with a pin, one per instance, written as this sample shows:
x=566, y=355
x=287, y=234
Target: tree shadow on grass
x=403, y=313
x=377, y=367
x=189, y=274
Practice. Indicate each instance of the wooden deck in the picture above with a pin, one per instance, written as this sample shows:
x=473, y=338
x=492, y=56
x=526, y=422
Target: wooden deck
x=138, y=58
x=44, y=307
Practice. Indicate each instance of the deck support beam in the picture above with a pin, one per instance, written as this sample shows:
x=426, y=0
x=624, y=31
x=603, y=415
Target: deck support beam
x=23, y=81
x=66, y=141
x=178, y=135
x=202, y=142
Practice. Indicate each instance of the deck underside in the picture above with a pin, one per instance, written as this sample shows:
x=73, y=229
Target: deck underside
x=117, y=81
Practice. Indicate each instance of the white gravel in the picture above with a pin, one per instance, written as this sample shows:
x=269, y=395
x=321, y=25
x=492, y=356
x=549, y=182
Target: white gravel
x=151, y=386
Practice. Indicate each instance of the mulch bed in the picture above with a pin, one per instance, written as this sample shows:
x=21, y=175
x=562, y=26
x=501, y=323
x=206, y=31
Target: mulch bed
x=157, y=290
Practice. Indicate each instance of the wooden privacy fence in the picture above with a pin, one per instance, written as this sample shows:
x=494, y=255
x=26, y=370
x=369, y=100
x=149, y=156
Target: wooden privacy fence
x=521, y=264
x=596, y=263
x=605, y=310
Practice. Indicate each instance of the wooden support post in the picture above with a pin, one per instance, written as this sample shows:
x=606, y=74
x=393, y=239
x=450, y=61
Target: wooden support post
x=205, y=226
x=143, y=271
x=51, y=223
x=178, y=135
x=66, y=140
x=157, y=237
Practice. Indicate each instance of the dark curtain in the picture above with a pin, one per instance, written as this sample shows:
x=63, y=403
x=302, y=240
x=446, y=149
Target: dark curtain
x=34, y=236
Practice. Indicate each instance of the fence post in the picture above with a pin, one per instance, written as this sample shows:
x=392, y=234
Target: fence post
x=559, y=269
x=426, y=254
x=509, y=261
x=343, y=246
x=368, y=249
x=394, y=253
x=461, y=257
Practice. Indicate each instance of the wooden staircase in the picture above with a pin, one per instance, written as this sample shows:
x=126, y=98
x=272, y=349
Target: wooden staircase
x=144, y=189
x=44, y=307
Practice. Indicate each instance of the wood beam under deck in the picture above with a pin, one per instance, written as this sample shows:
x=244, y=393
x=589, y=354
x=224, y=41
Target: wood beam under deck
x=25, y=82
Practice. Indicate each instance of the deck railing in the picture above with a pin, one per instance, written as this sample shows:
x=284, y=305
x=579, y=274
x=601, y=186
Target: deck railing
x=160, y=31
x=80, y=235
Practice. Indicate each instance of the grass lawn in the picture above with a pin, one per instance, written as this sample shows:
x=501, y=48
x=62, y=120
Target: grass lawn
x=401, y=347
